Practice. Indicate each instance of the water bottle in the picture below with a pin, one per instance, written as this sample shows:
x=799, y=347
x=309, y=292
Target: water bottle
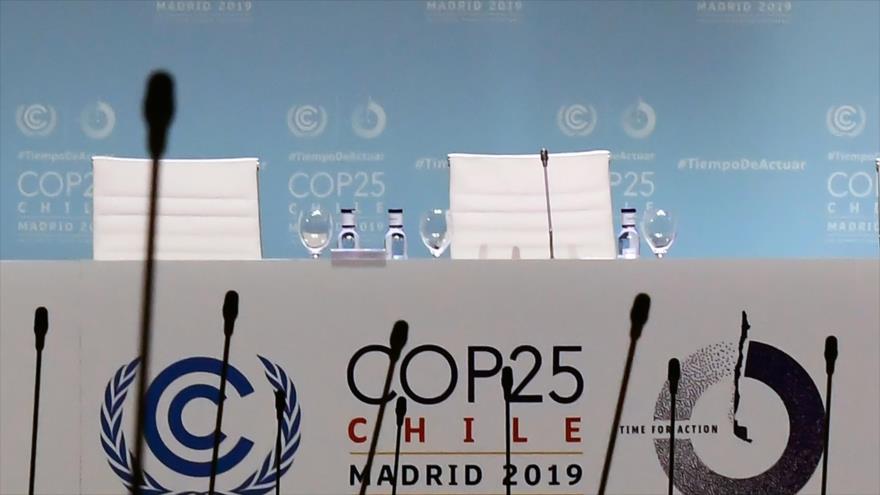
x=395, y=238
x=628, y=239
x=348, y=235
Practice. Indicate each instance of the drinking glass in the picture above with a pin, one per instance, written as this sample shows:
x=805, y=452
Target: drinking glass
x=658, y=229
x=433, y=229
x=315, y=229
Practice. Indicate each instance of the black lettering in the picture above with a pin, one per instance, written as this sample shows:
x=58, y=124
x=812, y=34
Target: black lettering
x=352, y=363
x=432, y=474
x=474, y=373
x=453, y=374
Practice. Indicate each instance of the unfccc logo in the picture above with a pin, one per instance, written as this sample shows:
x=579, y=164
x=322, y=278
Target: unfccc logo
x=306, y=121
x=172, y=442
x=368, y=121
x=639, y=120
x=845, y=120
x=98, y=120
x=36, y=119
x=576, y=119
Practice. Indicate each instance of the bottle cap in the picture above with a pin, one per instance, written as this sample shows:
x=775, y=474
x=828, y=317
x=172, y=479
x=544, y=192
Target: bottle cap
x=395, y=217
x=628, y=217
x=348, y=217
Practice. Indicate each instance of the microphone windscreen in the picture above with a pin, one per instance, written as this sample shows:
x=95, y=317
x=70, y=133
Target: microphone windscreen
x=400, y=409
x=398, y=337
x=230, y=305
x=674, y=373
x=41, y=321
x=638, y=315
x=830, y=353
x=506, y=380
x=158, y=110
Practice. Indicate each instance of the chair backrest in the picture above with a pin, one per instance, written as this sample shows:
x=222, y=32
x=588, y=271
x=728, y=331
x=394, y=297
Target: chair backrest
x=207, y=209
x=498, y=209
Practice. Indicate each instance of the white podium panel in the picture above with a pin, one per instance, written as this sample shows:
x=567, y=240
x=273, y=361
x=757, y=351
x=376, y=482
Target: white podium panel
x=318, y=332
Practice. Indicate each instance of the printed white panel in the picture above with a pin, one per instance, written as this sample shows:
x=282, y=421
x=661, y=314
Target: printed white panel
x=562, y=326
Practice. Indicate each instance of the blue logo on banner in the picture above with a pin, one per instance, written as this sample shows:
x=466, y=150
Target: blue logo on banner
x=120, y=458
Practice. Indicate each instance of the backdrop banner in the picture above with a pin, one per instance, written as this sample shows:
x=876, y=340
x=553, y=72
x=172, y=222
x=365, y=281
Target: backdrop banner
x=319, y=333
x=755, y=122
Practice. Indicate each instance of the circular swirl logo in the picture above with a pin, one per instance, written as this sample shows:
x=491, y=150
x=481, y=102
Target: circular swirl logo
x=787, y=379
x=576, y=119
x=845, y=120
x=639, y=120
x=98, y=120
x=306, y=121
x=368, y=121
x=119, y=458
x=36, y=119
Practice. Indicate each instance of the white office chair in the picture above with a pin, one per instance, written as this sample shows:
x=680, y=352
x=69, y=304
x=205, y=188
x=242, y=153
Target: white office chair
x=207, y=210
x=498, y=208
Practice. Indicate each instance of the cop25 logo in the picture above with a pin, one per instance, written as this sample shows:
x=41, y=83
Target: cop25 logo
x=786, y=378
x=120, y=459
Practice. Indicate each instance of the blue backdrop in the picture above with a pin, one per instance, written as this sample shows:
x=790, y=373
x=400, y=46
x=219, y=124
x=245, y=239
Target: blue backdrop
x=755, y=122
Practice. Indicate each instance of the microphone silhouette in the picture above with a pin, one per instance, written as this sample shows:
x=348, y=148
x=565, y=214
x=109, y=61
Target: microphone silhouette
x=41, y=327
x=399, y=335
x=230, y=313
x=400, y=410
x=280, y=406
x=830, y=362
x=638, y=316
x=506, y=387
x=673, y=375
x=158, y=110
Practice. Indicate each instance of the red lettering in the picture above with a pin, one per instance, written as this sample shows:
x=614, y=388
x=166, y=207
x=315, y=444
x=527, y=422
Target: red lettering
x=468, y=430
x=572, y=427
x=516, y=436
x=351, y=433
x=408, y=430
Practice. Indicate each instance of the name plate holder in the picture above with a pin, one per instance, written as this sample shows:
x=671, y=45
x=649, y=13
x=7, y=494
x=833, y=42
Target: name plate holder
x=359, y=257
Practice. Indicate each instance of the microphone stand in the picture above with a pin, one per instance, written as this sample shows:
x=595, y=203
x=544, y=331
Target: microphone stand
x=230, y=313
x=545, y=157
x=41, y=327
x=158, y=110
x=638, y=317
x=506, y=386
x=830, y=359
x=674, y=374
x=400, y=409
x=397, y=340
x=280, y=405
